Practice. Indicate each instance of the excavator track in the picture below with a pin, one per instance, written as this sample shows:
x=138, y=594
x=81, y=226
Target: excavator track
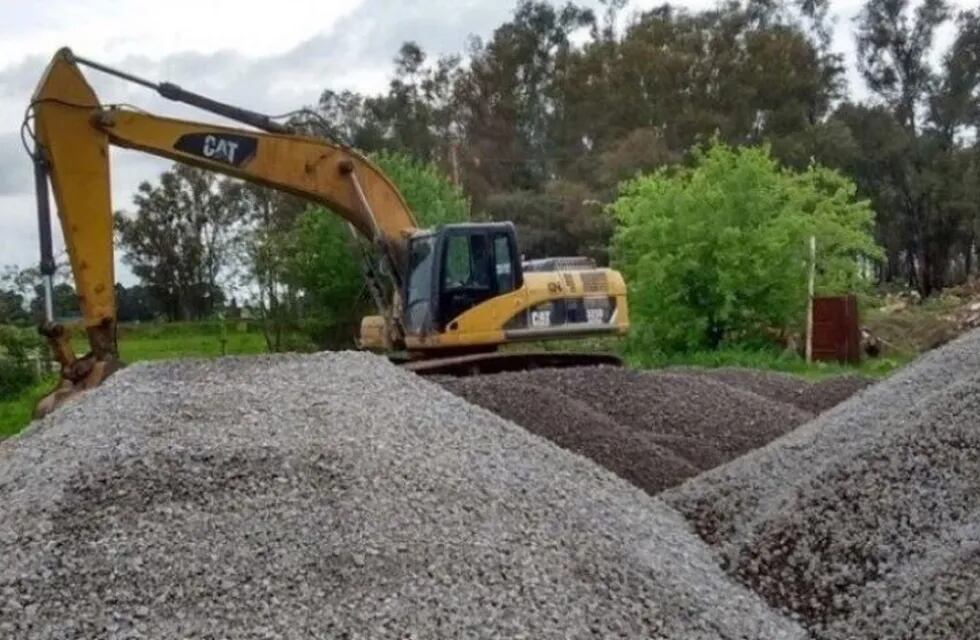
x=487, y=363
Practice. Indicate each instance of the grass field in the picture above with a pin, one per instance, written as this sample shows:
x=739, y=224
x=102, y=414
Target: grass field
x=183, y=340
x=164, y=341
x=144, y=342
x=771, y=359
x=15, y=412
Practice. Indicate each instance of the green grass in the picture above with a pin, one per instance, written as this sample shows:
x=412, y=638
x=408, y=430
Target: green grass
x=768, y=359
x=144, y=342
x=753, y=358
x=135, y=346
x=15, y=412
x=915, y=328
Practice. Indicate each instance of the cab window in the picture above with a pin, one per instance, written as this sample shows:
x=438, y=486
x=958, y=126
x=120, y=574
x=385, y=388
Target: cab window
x=421, y=254
x=467, y=261
x=503, y=263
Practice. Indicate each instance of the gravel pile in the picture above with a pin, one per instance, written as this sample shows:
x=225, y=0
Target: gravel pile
x=865, y=522
x=827, y=394
x=632, y=454
x=334, y=496
x=652, y=428
x=814, y=397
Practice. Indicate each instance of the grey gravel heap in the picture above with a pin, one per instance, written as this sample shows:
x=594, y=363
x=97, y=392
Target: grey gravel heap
x=865, y=522
x=334, y=496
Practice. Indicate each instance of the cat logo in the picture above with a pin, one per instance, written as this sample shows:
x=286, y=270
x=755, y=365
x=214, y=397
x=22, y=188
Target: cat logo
x=220, y=147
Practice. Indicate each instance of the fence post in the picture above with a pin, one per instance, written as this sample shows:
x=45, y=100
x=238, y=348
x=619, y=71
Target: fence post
x=809, y=300
x=224, y=334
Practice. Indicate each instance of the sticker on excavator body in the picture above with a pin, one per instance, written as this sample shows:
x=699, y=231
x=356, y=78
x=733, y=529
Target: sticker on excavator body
x=226, y=148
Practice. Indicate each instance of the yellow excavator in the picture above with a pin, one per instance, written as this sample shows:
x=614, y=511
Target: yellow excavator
x=448, y=297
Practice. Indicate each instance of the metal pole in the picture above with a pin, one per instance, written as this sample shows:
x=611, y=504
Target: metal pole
x=44, y=232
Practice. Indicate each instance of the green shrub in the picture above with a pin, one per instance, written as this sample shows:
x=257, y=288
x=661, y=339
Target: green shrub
x=18, y=348
x=717, y=254
x=321, y=265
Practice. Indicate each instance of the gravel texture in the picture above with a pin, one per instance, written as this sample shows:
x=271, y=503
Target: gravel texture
x=814, y=397
x=830, y=392
x=865, y=522
x=334, y=496
x=633, y=454
x=652, y=428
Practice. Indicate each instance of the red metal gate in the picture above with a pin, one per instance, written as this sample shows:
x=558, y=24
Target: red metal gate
x=836, y=330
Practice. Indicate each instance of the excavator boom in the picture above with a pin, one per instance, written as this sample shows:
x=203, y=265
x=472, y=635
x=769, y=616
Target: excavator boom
x=73, y=131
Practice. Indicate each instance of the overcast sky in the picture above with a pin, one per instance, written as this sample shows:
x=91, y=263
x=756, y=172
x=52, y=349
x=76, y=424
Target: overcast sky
x=266, y=56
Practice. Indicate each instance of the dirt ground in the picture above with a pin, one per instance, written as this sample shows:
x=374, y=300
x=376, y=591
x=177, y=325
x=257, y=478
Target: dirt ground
x=655, y=428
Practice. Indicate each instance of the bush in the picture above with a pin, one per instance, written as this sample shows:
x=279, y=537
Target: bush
x=18, y=347
x=717, y=253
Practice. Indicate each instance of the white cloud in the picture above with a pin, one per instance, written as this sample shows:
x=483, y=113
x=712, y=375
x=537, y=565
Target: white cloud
x=114, y=29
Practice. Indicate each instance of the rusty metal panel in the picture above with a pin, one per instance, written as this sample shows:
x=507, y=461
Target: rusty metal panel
x=836, y=329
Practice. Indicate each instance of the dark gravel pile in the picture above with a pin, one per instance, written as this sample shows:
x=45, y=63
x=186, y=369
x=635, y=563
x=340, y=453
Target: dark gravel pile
x=632, y=454
x=827, y=394
x=653, y=428
x=768, y=384
x=866, y=521
x=335, y=496
x=815, y=397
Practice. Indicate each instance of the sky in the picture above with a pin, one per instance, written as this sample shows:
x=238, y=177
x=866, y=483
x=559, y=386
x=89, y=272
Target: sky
x=270, y=57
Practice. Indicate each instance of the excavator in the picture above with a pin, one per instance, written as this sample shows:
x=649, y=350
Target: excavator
x=448, y=298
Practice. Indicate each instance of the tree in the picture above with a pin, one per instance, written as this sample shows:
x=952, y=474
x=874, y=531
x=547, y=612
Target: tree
x=135, y=304
x=893, y=53
x=13, y=307
x=716, y=253
x=744, y=73
x=24, y=292
x=18, y=348
x=565, y=219
x=177, y=242
x=910, y=159
x=265, y=220
x=559, y=104
x=319, y=260
x=508, y=98
x=431, y=196
x=416, y=116
x=64, y=301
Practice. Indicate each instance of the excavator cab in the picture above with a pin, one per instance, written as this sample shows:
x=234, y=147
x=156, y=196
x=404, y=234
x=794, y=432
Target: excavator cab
x=455, y=268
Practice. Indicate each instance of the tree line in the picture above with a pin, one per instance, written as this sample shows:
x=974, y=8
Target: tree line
x=547, y=116
x=544, y=121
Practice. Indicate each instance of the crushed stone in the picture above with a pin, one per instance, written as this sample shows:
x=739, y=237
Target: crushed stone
x=653, y=428
x=335, y=496
x=865, y=522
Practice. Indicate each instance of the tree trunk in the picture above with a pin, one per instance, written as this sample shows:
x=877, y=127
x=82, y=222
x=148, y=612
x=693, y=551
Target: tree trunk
x=968, y=257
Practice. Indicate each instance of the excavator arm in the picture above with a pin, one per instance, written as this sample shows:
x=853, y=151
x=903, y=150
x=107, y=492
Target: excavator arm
x=73, y=131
